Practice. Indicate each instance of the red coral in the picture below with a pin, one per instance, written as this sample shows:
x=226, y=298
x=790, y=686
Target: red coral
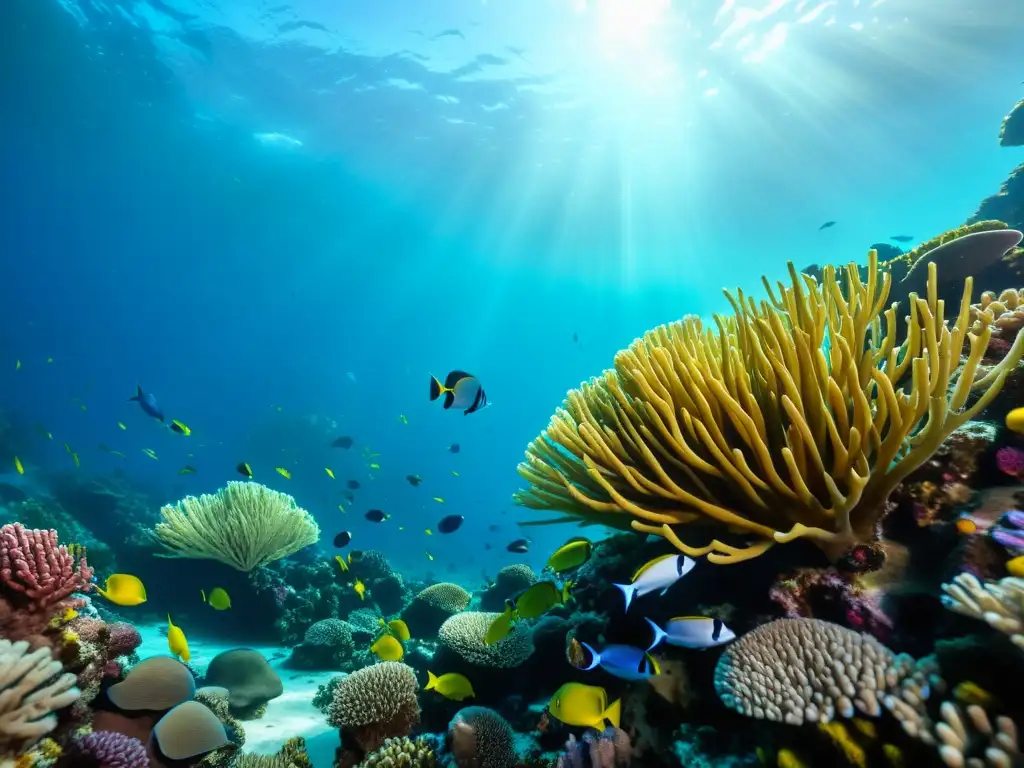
x=34, y=565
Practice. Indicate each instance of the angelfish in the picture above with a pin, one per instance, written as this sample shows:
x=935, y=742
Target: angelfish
x=697, y=632
x=659, y=573
x=147, y=402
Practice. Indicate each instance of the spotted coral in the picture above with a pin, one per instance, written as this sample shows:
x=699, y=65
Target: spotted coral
x=376, y=703
x=795, y=419
x=481, y=738
x=464, y=635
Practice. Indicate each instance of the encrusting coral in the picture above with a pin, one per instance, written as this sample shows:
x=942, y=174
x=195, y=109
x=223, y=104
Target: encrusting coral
x=244, y=525
x=999, y=604
x=795, y=419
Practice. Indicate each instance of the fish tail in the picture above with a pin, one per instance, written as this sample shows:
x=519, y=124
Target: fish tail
x=628, y=592
x=614, y=713
x=436, y=388
x=431, y=681
x=659, y=634
x=138, y=394
x=594, y=654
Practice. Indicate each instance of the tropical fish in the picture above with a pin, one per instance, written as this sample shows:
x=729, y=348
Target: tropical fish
x=623, y=661
x=574, y=553
x=151, y=453
x=456, y=474
x=439, y=499
x=121, y=425
x=540, y=598
x=344, y=442
x=430, y=557
x=353, y=484
x=41, y=430
x=585, y=706
x=414, y=480
x=659, y=573
x=17, y=365
x=454, y=448
x=697, y=632
x=901, y=238
x=374, y=465
x=283, y=473
x=376, y=516
x=399, y=629
x=342, y=539
x=401, y=418
x=519, y=546
x=330, y=472
x=18, y=466
x=244, y=469
x=387, y=648
x=826, y=225
x=180, y=427
x=219, y=599
x=966, y=525
x=177, y=642
x=123, y=589
x=501, y=626
x=1015, y=566
x=1015, y=420
x=188, y=469
x=451, y=685
x=428, y=532
x=341, y=563
x=147, y=402
x=450, y=524
x=460, y=389
x=72, y=454
x=360, y=589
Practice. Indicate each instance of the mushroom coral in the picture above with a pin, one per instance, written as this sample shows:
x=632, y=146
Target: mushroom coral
x=795, y=417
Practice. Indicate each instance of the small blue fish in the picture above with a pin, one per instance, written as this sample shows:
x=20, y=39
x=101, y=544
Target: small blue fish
x=623, y=661
x=698, y=632
x=147, y=403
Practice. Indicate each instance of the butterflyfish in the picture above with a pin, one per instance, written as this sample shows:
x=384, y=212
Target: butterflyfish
x=697, y=632
x=219, y=599
x=657, y=574
x=452, y=685
x=570, y=555
x=180, y=427
x=387, y=648
x=360, y=589
x=123, y=589
x=342, y=539
x=501, y=625
x=623, y=661
x=376, y=516
x=176, y=641
x=244, y=469
x=399, y=629
x=585, y=706
x=519, y=546
x=461, y=390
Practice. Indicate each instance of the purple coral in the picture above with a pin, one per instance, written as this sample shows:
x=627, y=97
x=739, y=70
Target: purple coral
x=830, y=595
x=1009, y=532
x=1010, y=461
x=609, y=749
x=106, y=749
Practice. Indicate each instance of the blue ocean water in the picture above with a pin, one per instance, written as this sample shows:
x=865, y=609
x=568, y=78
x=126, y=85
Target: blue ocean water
x=281, y=219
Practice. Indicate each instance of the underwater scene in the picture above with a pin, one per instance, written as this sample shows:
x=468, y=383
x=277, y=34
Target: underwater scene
x=535, y=384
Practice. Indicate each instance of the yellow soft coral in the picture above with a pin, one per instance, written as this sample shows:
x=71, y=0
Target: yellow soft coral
x=794, y=417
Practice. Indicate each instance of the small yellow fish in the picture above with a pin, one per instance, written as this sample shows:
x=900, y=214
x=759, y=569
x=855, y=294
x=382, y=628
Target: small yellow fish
x=121, y=425
x=283, y=473
x=180, y=428
x=219, y=599
x=401, y=527
x=399, y=629
x=360, y=588
x=541, y=598
x=585, y=706
x=375, y=466
x=387, y=648
x=123, y=589
x=73, y=455
x=18, y=466
x=401, y=418
x=455, y=473
x=439, y=500
x=1015, y=567
x=574, y=553
x=17, y=365
x=329, y=472
x=187, y=470
x=202, y=594
x=341, y=563
x=501, y=625
x=177, y=642
x=341, y=507
x=119, y=453
x=452, y=686
x=428, y=532
x=1015, y=420
x=430, y=557
x=151, y=453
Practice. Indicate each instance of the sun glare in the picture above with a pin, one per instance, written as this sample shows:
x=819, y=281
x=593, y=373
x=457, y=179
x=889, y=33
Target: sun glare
x=626, y=27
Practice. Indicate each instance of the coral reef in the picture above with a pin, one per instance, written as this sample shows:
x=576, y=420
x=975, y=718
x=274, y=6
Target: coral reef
x=402, y=753
x=974, y=741
x=33, y=686
x=481, y=738
x=432, y=606
x=999, y=604
x=327, y=644
x=292, y=755
x=250, y=681
x=375, y=703
x=606, y=749
x=1011, y=133
x=464, y=635
x=105, y=749
x=510, y=580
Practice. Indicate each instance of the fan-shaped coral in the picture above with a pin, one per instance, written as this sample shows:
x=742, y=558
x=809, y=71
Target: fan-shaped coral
x=464, y=634
x=376, y=703
x=795, y=418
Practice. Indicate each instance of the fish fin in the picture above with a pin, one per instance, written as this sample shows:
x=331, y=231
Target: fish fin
x=138, y=394
x=431, y=681
x=436, y=388
x=659, y=634
x=596, y=658
x=662, y=593
x=449, y=398
x=628, y=592
x=455, y=377
x=614, y=713
x=169, y=622
x=476, y=402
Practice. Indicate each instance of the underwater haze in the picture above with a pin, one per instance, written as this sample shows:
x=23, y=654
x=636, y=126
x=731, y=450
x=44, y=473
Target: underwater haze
x=260, y=242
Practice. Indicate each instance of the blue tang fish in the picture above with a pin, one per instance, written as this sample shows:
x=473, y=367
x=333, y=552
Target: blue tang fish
x=657, y=574
x=623, y=661
x=698, y=632
x=147, y=402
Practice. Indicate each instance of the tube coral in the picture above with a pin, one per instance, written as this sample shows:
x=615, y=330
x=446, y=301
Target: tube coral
x=796, y=418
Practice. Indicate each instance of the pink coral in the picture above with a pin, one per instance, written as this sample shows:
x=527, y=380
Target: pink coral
x=1010, y=461
x=833, y=596
x=34, y=565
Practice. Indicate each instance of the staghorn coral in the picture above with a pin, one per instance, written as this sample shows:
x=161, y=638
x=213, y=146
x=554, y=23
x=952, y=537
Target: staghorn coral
x=376, y=703
x=805, y=670
x=795, y=419
x=976, y=743
x=292, y=755
x=402, y=753
x=33, y=686
x=999, y=604
x=432, y=606
x=105, y=749
x=481, y=738
x=244, y=525
x=464, y=635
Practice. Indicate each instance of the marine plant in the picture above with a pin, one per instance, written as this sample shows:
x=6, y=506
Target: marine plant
x=795, y=417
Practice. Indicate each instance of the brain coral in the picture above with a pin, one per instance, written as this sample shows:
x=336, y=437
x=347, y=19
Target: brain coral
x=806, y=670
x=464, y=634
x=481, y=738
x=429, y=609
x=376, y=703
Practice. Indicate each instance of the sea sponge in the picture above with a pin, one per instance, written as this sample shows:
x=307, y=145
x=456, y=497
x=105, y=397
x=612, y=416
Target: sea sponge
x=326, y=645
x=431, y=606
x=33, y=686
x=402, y=753
x=376, y=703
x=157, y=683
x=481, y=738
x=292, y=755
x=999, y=604
x=251, y=682
x=244, y=525
x=464, y=634
x=189, y=730
x=806, y=670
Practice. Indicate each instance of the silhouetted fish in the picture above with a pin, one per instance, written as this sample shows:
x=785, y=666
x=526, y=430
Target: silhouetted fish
x=342, y=442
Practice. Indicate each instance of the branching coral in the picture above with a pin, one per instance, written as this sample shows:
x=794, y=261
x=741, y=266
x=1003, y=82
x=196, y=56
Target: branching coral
x=244, y=525
x=33, y=686
x=795, y=419
x=999, y=604
x=976, y=743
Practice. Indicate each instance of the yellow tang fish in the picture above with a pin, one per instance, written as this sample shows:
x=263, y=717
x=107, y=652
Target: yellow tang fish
x=541, y=598
x=219, y=599
x=399, y=629
x=329, y=472
x=501, y=625
x=360, y=589
x=18, y=466
x=428, y=532
x=1015, y=420
x=387, y=648
x=123, y=589
x=283, y=473
x=585, y=706
x=574, y=553
x=439, y=500
x=375, y=465
x=176, y=641
x=452, y=685
x=341, y=563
